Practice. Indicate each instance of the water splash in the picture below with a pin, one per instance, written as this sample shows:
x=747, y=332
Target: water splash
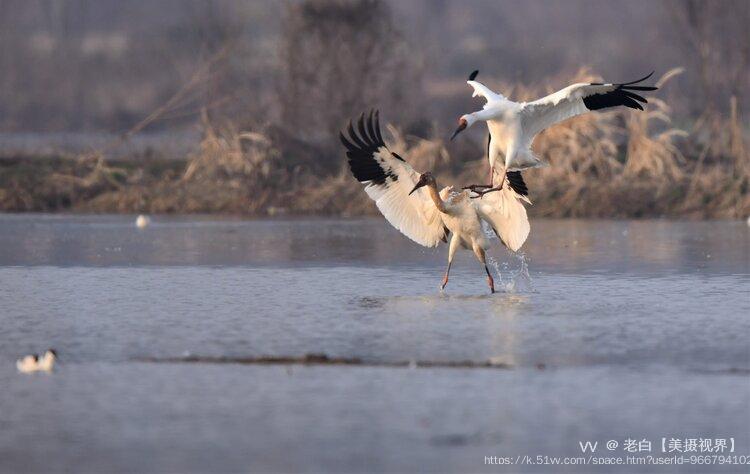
x=512, y=278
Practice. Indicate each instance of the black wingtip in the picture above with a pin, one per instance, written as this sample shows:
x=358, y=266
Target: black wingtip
x=370, y=127
x=363, y=129
x=639, y=88
x=638, y=80
x=634, y=96
x=378, y=135
x=474, y=74
x=363, y=133
x=361, y=138
x=354, y=137
x=515, y=179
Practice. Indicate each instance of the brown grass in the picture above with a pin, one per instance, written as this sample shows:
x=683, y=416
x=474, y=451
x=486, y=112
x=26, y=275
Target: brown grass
x=614, y=164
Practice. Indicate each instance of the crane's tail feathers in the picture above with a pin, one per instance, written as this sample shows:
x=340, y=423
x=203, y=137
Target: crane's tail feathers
x=506, y=214
x=515, y=226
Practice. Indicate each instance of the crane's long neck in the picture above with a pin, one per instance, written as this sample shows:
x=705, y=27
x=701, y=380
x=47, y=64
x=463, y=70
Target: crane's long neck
x=485, y=114
x=439, y=203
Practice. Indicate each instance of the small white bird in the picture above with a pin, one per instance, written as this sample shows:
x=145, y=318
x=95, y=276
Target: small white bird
x=29, y=363
x=411, y=202
x=513, y=125
x=142, y=221
x=32, y=363
x=47, y=362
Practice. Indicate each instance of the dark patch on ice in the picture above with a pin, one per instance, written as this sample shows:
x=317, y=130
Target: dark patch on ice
x=460, y=439
x=371, y=303
x=450, y=440
x=728, y=371
x=324, y=359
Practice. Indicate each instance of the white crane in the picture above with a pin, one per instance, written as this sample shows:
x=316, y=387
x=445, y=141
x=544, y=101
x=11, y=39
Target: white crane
x=410, y=201
x=513, y=125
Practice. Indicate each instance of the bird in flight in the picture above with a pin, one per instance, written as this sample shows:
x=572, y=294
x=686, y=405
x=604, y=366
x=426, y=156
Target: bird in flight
x=513, y=125
x=411, y=202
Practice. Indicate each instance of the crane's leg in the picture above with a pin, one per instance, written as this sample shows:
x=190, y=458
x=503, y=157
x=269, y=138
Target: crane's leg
x=510, y=152
x=477, y=188
x=490, y=281
x=445, y=277
x=455, y=241
x=479, y=252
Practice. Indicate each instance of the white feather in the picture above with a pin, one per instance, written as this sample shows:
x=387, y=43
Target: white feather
x=414, y=215
x=485, y=92
x=506, y=214
x=561, y=105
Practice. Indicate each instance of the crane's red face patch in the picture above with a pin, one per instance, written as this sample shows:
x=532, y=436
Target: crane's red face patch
x=462, y=123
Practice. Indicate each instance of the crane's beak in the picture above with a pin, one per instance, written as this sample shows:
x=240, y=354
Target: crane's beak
x=461, y=127
x=418, y=185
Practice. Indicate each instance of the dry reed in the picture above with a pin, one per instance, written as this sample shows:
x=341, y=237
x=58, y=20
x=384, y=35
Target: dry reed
x=614, y=164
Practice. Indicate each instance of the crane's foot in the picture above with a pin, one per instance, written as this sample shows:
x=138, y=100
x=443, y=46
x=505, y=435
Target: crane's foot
x=481, y=194
x=475, y=188
x=445, y=282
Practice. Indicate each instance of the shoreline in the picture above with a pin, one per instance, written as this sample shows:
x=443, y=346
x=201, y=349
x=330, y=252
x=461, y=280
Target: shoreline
x=160, y=184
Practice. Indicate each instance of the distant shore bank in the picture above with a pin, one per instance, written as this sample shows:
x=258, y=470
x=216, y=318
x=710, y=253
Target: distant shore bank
x=167, y=185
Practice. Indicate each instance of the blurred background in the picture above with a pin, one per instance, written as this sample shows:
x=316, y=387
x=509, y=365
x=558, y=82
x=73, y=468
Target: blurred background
x=169, y=331
x=187, y=106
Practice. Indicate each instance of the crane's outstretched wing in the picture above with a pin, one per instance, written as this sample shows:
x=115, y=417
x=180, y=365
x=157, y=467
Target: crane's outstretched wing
x=504, y=211
x=484, y=91
x=577, y=99
x=388, y=179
